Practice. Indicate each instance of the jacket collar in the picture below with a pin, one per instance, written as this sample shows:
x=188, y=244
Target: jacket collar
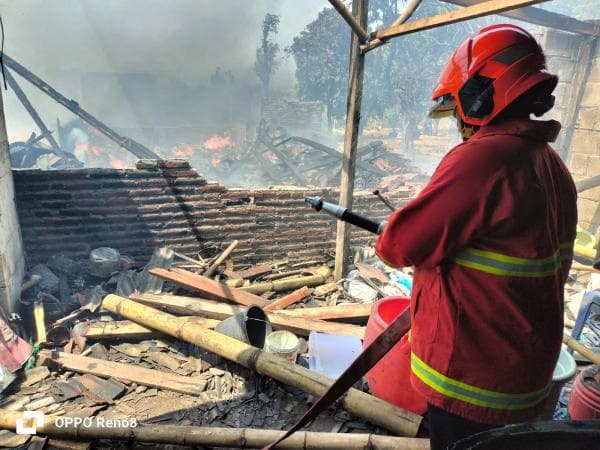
x=538, y=130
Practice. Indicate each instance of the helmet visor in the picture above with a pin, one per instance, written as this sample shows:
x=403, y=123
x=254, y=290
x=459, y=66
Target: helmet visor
x=444, y=107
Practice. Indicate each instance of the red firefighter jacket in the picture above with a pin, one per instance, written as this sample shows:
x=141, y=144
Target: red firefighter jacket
x=491, y=238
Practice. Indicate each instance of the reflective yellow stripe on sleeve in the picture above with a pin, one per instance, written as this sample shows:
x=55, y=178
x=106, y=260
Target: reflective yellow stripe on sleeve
x=510, y=266
x=472, y=394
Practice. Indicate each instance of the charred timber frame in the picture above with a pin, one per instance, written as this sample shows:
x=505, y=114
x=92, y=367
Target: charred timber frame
x=128, y=144
x=31, y=110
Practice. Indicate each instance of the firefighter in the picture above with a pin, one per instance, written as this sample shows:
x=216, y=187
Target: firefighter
x=491, y=238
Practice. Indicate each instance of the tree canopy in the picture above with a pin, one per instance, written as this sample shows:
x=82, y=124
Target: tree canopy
x=399, y=76
x=266, y=54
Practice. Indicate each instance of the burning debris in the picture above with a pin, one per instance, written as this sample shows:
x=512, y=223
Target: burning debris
x=279, y=159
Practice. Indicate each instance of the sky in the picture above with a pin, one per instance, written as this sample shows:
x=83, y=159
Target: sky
x=185, y=39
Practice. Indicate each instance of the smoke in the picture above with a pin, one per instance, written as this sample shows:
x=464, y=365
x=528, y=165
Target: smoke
x=172, y=46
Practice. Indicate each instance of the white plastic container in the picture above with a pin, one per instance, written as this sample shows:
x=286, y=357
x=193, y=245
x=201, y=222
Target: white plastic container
x=284, y=344
x=331, y=354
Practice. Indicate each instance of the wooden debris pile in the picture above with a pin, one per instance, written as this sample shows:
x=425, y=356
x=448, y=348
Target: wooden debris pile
x=150, y=353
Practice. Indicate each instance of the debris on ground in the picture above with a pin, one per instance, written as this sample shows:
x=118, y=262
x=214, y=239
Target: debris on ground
x=93, y=363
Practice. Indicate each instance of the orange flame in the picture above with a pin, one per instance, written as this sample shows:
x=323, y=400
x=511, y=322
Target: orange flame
x=116, y=163
x=183, y=152
x=216, y=142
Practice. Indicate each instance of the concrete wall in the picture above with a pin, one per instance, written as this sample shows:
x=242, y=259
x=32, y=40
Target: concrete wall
x=12, y=262
x=578, y=108
x=72, y=212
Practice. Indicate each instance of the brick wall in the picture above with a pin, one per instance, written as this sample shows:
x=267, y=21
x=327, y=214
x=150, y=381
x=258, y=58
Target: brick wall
x=584, y=159
x=578, y=108
x=74, y=211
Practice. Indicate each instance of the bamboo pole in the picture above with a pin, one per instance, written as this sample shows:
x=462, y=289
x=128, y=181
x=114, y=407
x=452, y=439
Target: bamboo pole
x=571, y=342
x=39, y=322
x=288, y=284
x=54, y=427
x=360, y=10
x=583, y=268
x=585, y=251
x=350, y=311
x=359, y=403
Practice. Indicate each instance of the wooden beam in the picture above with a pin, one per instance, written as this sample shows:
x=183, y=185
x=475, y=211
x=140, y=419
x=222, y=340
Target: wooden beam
x=460, y=15
x=128, y=144
x=543, y=18
x=30, y=109
x=360, y=10
x=220, y=311
x=131, y=372
x=222, y=257
x=208, y=287
x=358, y=28
x=287, y=300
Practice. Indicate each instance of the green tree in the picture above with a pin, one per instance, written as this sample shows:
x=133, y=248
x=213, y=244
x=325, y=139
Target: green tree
x=321, y=53
x=399, y=76
x=266, y=55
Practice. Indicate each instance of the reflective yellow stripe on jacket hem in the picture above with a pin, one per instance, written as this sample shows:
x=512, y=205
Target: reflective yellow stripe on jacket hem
x=472, y=394
x=510, y=266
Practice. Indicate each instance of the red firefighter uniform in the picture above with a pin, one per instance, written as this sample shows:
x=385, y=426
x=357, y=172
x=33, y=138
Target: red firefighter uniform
x=491, y=238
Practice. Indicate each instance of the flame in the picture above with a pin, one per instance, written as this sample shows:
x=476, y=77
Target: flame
x=215, y=162
x=216, y=142
x=116, y=163
x=84, y=147
x=183, y=152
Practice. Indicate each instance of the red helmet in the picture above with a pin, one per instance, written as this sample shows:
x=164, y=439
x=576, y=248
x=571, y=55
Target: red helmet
x=488, y=71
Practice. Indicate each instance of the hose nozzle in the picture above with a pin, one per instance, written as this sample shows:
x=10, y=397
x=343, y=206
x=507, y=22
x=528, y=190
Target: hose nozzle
x=315, y=202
